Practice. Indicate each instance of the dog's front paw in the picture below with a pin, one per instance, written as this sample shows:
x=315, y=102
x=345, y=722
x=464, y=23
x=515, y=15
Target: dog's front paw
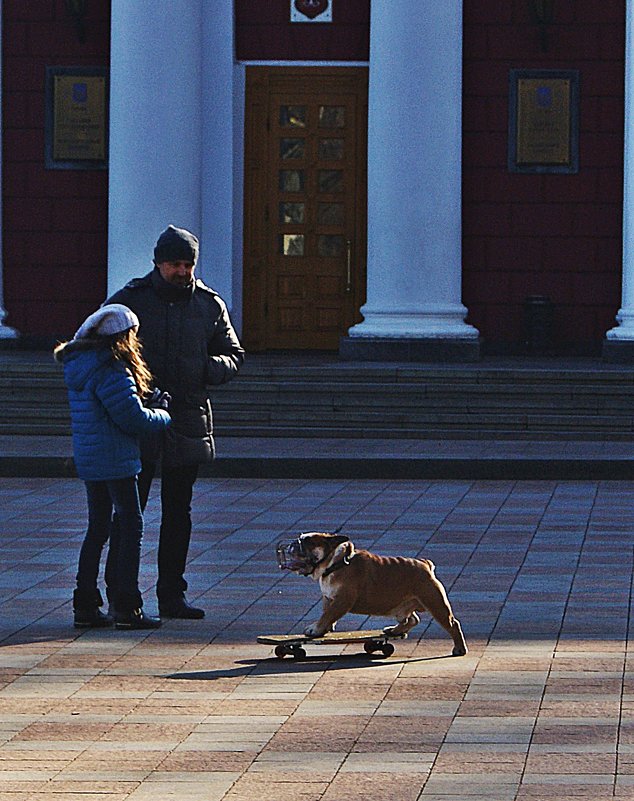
x=395, y=631
x=313, y=631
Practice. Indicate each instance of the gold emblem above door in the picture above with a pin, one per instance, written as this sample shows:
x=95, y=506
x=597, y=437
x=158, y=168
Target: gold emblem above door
x=305, y=206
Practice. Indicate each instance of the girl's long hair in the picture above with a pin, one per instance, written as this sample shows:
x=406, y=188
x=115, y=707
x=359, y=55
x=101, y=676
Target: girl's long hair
x=126, y=347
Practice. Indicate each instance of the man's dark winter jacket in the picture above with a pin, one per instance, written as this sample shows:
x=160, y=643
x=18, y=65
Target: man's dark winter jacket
x=189, y=344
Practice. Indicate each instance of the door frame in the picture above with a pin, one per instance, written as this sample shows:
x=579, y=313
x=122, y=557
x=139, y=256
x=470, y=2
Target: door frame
x=260, y=83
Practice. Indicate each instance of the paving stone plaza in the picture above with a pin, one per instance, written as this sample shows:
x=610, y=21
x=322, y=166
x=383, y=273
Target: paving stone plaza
x=539, y=573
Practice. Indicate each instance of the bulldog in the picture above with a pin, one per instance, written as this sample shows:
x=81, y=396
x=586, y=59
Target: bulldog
x=364, y=583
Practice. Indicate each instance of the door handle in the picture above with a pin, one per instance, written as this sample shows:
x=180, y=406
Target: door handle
x=348, y=265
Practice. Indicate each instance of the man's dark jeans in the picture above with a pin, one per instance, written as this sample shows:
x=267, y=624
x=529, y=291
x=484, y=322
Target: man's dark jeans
x=177, y=485
x=122, y=495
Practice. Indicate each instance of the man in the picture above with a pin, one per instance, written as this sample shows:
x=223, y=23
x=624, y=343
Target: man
x=189, y=344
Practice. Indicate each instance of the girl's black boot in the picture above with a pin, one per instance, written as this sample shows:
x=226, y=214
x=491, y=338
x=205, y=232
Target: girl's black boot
x=86, y=611
x=129, y=614
x=136, y=619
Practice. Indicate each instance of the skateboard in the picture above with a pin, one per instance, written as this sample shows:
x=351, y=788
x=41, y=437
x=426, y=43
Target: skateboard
x=293, y=644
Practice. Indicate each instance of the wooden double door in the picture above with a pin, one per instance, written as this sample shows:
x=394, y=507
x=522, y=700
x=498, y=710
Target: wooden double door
x=305, y=206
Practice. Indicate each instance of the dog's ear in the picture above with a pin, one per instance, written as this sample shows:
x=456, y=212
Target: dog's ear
x=339, y=539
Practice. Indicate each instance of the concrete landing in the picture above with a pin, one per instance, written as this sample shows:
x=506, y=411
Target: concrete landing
x=279, y=457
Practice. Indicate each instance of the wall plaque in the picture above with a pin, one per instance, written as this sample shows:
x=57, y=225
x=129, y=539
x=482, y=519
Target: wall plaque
x=76, y=118
x=543, y=121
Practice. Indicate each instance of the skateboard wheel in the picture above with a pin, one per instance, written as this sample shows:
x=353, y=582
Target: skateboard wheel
x=388, y=649
x=369, y=647
x=299, y=654
x=280, y=651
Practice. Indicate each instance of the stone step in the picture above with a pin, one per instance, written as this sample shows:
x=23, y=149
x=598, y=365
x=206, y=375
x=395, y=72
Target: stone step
x=287, y=398
x=324, y=396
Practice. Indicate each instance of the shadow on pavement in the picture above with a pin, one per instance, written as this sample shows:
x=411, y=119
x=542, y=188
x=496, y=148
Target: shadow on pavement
x=311, y=664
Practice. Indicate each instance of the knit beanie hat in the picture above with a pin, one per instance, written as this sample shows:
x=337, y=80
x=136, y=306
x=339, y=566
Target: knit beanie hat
x=176, y=244
x=111, y=319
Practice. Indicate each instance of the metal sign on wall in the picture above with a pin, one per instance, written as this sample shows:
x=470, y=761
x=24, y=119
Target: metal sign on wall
x=544, y=121
x=76, y=118
x=311, y=10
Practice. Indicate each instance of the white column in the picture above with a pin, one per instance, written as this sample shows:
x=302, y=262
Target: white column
x=220, y=126
x=414, y=173
x=155, y=129
x=6, y=332
x=624, y=331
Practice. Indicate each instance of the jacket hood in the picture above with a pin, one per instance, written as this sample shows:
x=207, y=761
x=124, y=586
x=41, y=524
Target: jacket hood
x=81, y=361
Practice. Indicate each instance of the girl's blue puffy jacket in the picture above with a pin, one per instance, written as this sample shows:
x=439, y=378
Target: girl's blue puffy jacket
x=107, y=416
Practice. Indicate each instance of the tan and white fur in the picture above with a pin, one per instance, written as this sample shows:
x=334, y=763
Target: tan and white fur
x=364, y=583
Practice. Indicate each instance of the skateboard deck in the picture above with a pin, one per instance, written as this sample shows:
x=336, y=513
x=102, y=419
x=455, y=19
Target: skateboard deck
x=373, y=640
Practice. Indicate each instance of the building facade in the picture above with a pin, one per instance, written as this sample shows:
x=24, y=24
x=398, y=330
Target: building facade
x=386, y=178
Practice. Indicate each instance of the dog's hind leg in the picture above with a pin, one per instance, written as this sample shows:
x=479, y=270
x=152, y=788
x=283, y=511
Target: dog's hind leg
x=435, y=601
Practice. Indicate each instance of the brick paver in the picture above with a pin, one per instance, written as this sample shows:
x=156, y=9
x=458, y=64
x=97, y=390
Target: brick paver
x=539, y=573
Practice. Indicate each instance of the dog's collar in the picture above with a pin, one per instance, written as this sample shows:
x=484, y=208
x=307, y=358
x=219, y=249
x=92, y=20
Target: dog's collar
x=343, y=562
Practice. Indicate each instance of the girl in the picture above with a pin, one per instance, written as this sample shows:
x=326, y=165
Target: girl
x=106, y=378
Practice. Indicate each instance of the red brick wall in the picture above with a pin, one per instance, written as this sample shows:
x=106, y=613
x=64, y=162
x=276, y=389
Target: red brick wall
x=264, y=31
x=554, y=235
x=54, y=221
